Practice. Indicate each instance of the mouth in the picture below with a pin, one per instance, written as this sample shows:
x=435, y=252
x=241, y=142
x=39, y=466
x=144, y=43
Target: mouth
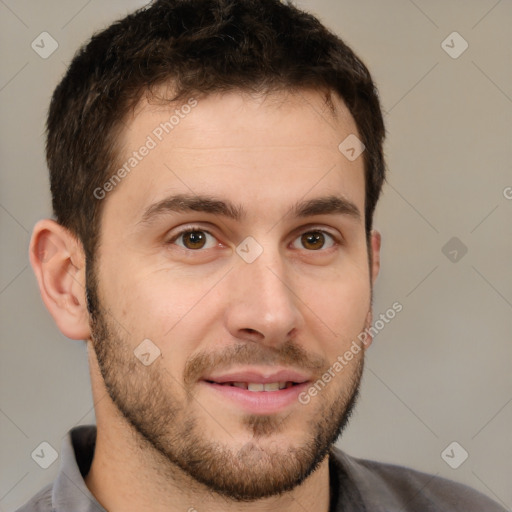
x=256, y=392
x=257, y=386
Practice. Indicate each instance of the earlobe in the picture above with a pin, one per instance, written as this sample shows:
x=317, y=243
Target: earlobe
x=58, y=261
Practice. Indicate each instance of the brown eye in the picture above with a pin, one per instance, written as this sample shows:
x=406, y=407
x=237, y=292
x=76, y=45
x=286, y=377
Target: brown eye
x=194, y=239
x=314, y=241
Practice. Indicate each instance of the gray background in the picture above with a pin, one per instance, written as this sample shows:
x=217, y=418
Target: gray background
x=441, y=370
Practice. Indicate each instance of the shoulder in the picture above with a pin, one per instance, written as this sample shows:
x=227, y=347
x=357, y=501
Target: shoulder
x=388, y=487
x=40, y=502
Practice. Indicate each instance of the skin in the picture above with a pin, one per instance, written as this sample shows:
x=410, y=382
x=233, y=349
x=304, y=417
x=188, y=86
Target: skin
x=298, y=305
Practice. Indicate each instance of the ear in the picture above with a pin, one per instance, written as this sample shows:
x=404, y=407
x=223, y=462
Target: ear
x=375, y=240
x=58, y=261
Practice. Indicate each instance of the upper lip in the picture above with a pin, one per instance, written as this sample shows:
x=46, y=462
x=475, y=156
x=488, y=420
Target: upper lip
x=259, y=377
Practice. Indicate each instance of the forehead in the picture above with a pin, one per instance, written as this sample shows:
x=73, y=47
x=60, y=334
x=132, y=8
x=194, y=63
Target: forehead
x=221, y=119
x=272, y=148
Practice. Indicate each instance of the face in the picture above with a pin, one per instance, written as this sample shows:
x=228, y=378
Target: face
x=236, y=246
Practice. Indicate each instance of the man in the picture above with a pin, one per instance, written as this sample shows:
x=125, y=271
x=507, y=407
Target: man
x=215, y=166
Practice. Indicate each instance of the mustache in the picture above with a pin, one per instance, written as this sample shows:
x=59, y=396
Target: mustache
x=290, y=354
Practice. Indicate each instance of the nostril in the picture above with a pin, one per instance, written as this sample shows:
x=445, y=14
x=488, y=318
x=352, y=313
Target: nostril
x=251, y=334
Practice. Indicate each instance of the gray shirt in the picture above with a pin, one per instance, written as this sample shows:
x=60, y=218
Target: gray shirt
x=356, y=485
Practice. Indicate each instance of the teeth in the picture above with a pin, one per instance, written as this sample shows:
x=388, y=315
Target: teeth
x=257, y=386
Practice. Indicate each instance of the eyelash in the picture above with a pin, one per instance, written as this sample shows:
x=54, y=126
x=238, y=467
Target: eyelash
x=336, y=240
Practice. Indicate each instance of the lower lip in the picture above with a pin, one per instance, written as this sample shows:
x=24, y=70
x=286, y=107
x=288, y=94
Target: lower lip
x=258, y=402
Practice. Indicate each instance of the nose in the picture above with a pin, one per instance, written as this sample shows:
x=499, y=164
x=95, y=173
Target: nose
x=263, y=306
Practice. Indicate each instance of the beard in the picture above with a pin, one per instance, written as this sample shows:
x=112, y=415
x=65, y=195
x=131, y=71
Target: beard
x=169, y=432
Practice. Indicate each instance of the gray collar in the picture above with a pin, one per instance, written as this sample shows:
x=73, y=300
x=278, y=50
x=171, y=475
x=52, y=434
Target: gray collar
x=69, y=489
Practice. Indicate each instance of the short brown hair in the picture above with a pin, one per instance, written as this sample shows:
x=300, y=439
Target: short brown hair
x=200, y=47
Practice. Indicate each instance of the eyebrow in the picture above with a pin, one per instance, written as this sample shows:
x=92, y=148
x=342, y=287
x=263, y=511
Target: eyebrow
x=327, y=205
x=208, y=204
x=195, y=203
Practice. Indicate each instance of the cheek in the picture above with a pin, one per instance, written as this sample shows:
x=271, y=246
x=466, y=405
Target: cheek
x=167, y=308
x=342, y=304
